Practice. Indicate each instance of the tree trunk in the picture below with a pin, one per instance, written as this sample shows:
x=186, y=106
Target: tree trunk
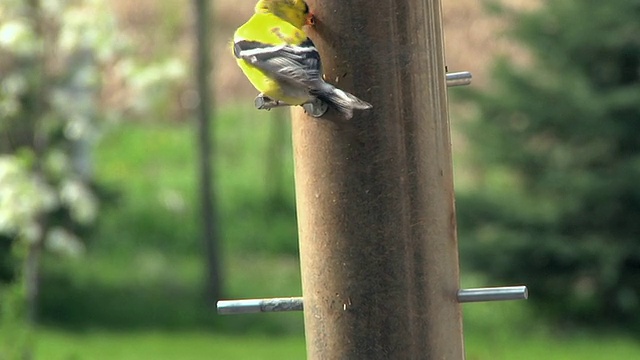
x=32, y=279
x=207, y=196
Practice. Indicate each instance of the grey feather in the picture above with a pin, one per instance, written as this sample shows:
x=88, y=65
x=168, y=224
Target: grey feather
x=299, y=71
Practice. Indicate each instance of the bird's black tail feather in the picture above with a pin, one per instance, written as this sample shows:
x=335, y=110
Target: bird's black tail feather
x=342, y=101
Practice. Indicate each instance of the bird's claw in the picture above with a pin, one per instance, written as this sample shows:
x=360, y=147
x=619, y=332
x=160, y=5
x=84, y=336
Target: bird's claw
x=316, y=108
x=262, y=102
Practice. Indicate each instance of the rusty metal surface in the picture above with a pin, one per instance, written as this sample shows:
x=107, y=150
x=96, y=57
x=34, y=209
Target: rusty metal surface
x=375, y=193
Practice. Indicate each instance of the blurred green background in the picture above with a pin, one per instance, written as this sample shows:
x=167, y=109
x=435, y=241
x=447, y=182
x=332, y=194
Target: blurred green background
x=99, y=193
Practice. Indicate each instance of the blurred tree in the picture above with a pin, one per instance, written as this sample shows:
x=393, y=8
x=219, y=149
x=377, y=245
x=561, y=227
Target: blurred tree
x=557, y=150
x=53, y=56
x=210, y=230
x=49, y=58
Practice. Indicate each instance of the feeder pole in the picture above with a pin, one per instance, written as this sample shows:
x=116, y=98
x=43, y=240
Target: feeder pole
x=375, y=198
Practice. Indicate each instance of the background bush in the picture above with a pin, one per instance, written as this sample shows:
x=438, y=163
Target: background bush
x=557, y=153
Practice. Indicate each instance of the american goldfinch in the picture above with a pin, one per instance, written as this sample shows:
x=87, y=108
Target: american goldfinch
x=281, y=61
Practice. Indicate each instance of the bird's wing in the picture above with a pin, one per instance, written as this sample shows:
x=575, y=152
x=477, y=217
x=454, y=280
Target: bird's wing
x=294, y=64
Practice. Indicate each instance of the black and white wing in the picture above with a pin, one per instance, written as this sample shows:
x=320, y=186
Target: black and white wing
x=295, y=64
x=298, y=68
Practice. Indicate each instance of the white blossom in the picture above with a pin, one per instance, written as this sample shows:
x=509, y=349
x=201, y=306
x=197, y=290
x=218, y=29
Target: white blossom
x=82, y=204
x=23, y=198
x=61, y=241
x=16, y=36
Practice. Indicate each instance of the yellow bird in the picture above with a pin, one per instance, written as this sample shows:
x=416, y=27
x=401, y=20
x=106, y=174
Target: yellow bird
x=281, y=61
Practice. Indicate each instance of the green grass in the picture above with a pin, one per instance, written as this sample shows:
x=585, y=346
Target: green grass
x=157, y=345
x=504, y=343
x=512, y=330
x=144, y=267
x=137, y=292
x=154, y=167
x=498, y=344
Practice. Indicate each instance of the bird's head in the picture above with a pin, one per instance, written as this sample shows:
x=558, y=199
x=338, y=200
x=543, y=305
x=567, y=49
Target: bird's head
x=295, y=12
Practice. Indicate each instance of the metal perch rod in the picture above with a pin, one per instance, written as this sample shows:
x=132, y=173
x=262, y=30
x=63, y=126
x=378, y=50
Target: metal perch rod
x=493, y=294
x=249, y=306
x=458, y=78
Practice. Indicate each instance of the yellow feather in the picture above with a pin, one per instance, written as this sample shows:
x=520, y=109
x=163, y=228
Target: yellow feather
x=292, y=11
x=269, y=29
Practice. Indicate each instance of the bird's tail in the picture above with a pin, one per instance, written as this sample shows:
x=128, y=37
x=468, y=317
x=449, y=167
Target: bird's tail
x=342, y=101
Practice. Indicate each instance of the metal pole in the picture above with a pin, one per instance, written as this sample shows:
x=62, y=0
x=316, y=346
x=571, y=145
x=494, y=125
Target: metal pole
x=458, y=78
x=249, y=306
x=374, y=194
x=493, y=294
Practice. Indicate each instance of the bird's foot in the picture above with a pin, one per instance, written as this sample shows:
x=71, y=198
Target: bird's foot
x=316, y=108
x=263, y=102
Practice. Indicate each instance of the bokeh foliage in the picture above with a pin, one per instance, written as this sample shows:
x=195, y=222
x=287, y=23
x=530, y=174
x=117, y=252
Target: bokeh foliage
x=55, y=57
x=557, y=154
